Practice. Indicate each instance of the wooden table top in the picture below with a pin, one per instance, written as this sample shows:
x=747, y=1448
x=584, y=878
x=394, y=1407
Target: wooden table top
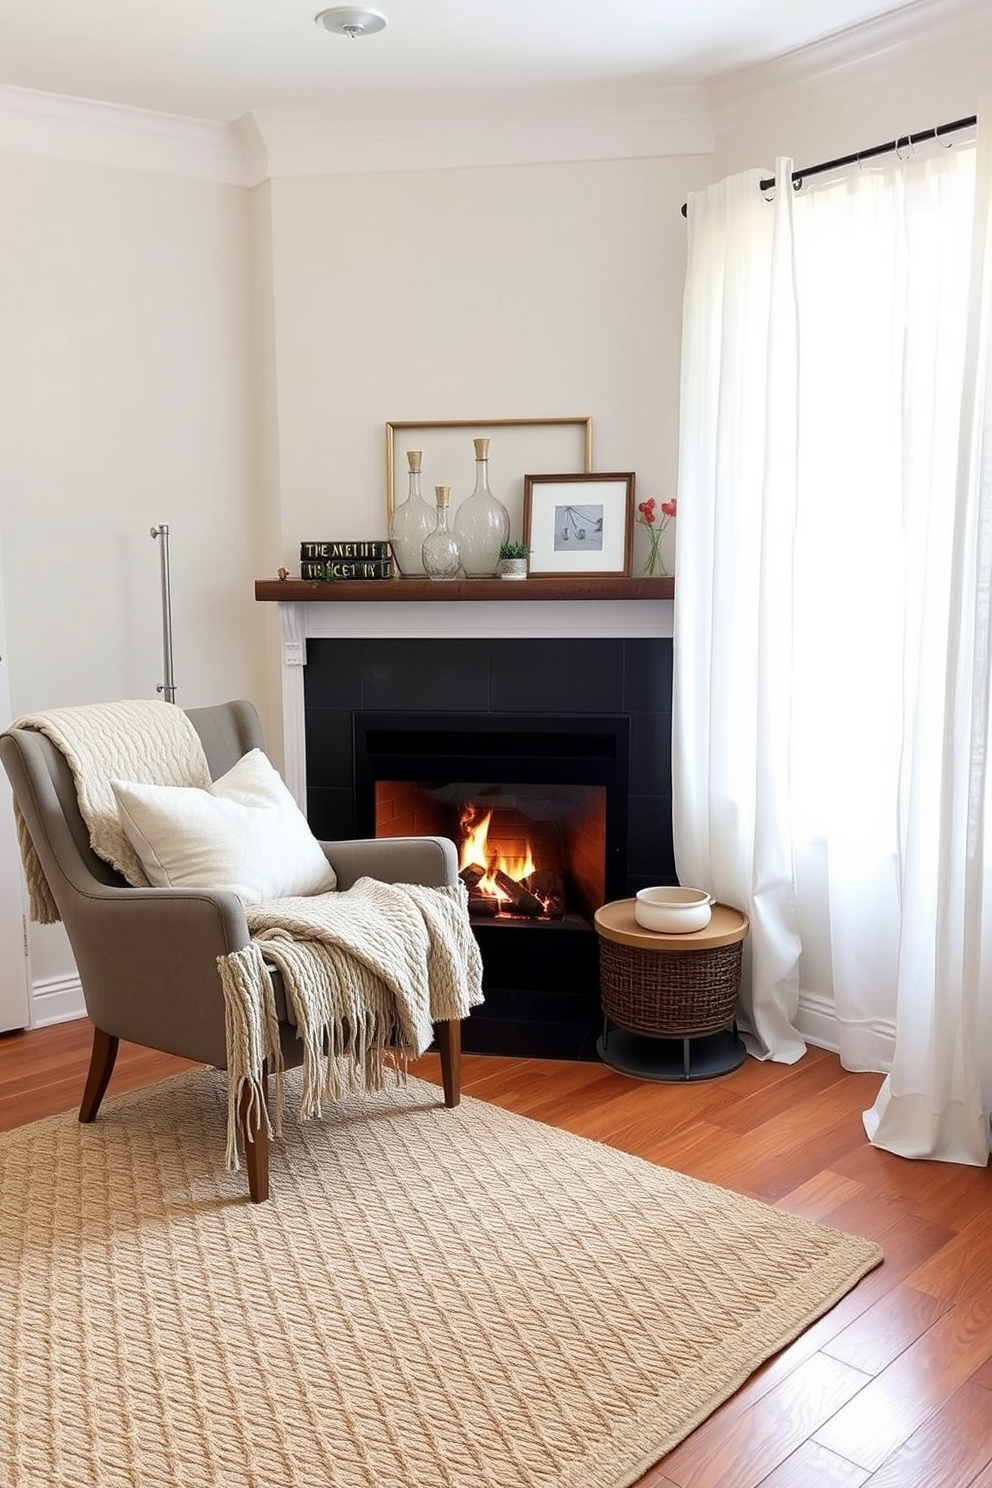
x=616, y=922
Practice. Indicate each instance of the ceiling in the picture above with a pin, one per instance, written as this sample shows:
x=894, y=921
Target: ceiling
x=222, y=59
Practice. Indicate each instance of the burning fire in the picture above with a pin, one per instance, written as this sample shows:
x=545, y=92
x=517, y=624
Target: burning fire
x=476, y=852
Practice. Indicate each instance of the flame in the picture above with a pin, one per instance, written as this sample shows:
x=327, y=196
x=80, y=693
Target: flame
x=475, y=850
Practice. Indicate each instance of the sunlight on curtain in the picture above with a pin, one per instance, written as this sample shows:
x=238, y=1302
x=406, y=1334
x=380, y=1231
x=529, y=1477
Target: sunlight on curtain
x=733, y=628
x=831, y=588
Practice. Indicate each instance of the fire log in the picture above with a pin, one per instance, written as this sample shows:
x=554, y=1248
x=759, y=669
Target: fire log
x=472, y=875
x=523, y=901
x=549, y=886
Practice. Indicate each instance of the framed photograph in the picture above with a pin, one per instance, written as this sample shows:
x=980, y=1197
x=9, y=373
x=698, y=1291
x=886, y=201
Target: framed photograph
x=579, y=524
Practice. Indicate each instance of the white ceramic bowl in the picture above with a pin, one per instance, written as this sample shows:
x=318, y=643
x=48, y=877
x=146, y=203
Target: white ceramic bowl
x=672, y=910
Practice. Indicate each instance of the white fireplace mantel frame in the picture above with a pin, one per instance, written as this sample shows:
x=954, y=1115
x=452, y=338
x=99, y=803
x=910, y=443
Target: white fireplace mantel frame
x=485, y=619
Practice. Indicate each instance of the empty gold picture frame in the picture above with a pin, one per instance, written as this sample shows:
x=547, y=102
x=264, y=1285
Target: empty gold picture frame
x=516, y=445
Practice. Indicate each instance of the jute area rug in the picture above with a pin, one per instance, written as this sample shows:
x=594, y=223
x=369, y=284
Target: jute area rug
x=430, y=1299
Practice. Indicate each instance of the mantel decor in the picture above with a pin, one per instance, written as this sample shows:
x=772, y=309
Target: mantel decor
x=579, y=524
x=519, y=445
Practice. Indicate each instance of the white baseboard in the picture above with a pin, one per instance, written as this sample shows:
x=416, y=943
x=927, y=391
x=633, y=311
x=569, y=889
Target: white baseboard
x=818, y=1023
x=56, y=1000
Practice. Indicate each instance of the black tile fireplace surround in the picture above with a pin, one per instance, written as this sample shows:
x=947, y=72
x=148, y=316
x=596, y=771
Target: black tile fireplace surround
x=541, y=983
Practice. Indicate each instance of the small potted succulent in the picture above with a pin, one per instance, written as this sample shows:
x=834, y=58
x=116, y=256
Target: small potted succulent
x=513, y=560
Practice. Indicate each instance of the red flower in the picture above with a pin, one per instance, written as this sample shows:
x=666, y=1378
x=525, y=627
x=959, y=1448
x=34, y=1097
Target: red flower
x=648, y=518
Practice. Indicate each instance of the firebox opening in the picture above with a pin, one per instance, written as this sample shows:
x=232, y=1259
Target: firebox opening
x=536, y=803
x=526, y=853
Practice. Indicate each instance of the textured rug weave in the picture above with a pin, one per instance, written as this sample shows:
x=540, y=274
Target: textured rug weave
x=430, y=1299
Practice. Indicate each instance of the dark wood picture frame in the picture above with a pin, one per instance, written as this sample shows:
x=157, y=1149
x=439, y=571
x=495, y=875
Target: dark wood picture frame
x=580, y=524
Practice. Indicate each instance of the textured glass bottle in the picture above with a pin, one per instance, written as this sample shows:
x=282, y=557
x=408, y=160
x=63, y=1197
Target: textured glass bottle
x=442, y=559
x=411, y=524
x=482, y=523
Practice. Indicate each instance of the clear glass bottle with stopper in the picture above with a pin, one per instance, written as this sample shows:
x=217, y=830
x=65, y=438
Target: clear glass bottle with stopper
x=482, y=523
x=442, y=559
x=410, y=525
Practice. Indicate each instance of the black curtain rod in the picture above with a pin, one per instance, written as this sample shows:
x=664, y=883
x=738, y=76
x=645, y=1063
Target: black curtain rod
x=889, y=148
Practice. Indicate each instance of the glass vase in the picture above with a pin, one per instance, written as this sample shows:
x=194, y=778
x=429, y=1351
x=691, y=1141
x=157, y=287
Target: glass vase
x=411, y=524
x=442, y=559
x=482, y=523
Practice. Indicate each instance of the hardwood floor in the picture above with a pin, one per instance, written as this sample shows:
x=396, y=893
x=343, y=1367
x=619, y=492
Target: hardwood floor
x=892, y=1389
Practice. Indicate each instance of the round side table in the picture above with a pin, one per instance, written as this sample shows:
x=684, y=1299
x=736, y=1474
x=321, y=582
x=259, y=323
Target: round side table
x=670, y=1001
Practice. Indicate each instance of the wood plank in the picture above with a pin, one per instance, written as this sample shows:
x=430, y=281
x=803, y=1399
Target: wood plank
x=886, y=1329
x=807, y=1078
x=821, y=1194
x=961, y=1267
x=944, y=1192
x=886, y=1413
x=745, y=1448
x=811, y=1466
x=779, y=1159
x=949, y=1448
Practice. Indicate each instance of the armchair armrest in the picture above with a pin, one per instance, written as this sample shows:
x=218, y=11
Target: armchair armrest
x=420, y=860
x=147, y=959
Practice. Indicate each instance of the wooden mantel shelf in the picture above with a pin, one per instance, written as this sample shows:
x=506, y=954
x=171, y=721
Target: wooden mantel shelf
x=377, y=591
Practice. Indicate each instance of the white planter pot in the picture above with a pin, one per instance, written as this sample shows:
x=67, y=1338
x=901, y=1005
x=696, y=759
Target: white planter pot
x=513, y=568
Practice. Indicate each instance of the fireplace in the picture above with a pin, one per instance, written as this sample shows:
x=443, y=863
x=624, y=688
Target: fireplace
x=566, y=742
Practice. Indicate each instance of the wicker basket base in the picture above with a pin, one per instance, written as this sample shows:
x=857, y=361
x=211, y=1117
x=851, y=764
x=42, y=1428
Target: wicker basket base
x=670, y=994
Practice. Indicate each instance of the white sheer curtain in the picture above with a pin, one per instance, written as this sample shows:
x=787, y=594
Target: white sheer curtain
x=832, y=619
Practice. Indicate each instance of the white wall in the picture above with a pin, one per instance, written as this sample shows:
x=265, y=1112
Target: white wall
x=127, y=399
x=509, y=292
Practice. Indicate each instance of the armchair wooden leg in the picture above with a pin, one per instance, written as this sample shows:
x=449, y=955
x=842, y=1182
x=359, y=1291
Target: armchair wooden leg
x=449, y=1044
x=256, y=1145
x=102, y=1059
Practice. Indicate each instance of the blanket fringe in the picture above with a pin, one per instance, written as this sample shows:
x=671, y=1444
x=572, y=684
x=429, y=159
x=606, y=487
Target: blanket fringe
x=366, y=972
x=344, y=1014
x=253, y=1042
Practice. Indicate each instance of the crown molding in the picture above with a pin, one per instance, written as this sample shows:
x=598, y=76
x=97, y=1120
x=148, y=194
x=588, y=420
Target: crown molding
x=902, y=41
x=637, y=119
x=80, y=129
x=521, y=128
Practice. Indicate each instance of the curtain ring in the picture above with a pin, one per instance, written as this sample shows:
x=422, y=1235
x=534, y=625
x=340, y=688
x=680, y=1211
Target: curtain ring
x=908, y=143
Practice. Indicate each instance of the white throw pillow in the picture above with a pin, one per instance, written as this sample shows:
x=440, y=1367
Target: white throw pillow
x=244, y=832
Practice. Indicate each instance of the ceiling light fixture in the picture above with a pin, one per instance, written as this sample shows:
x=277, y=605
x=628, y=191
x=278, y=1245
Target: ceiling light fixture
x=350, y=20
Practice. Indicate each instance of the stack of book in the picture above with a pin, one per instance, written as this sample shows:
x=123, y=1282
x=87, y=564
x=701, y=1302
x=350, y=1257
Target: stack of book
x=330, y=561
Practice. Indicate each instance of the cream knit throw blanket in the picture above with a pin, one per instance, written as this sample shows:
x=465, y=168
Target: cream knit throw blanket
x=367, y=972
x=151, y=743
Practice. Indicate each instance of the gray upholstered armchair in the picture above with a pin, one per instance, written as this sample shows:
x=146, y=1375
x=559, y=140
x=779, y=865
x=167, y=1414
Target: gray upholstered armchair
x=147, y=957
